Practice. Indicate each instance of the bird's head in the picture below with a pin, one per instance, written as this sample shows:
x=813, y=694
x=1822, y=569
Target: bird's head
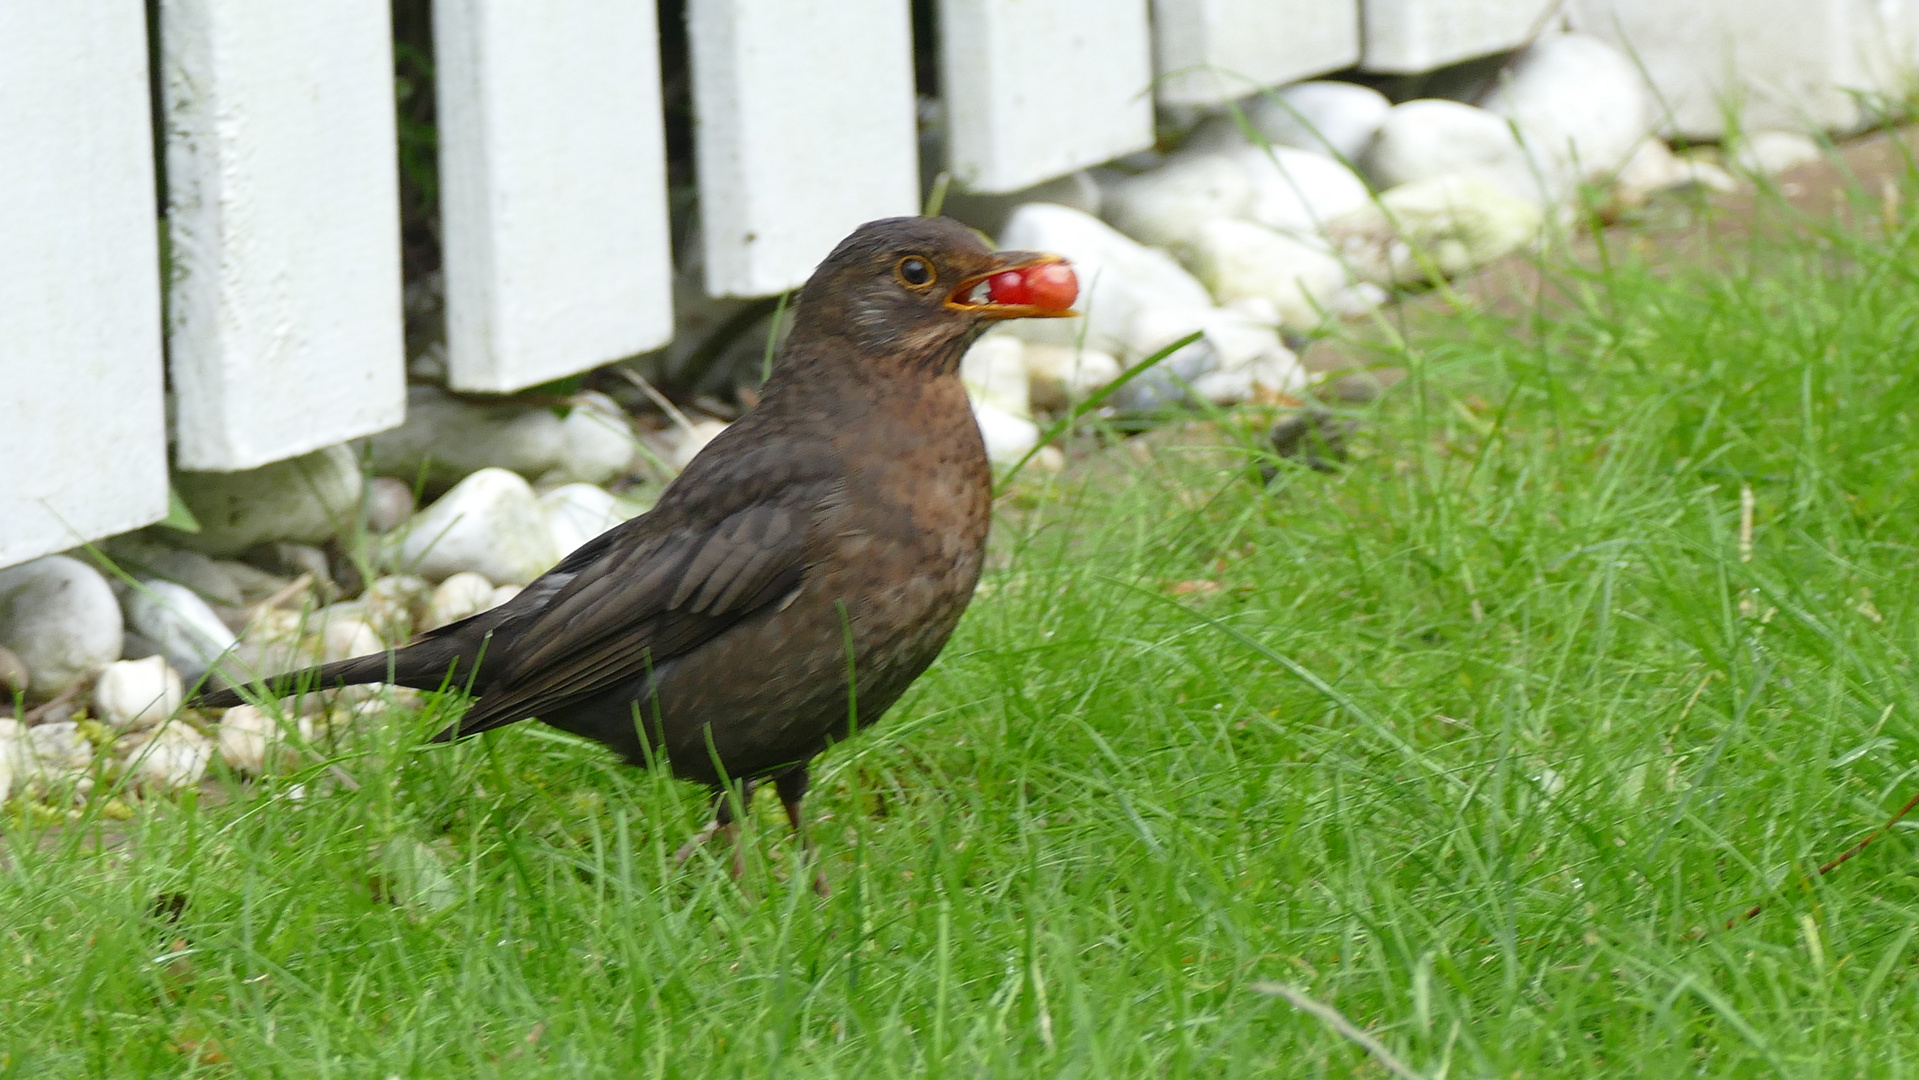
x=923, y=288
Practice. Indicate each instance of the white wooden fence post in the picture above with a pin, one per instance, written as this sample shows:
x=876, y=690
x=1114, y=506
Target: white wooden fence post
x=1211, y=51
x=1410, y=36
x=283, y=211
x=806, y=129
x=83, y=448
x=1035, y=89
x=552, y=187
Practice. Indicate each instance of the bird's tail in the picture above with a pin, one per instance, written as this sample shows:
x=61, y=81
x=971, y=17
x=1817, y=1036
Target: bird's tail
x=426, y=665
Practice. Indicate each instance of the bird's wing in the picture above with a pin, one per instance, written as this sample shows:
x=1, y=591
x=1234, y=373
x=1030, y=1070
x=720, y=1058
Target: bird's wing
x=643, y=594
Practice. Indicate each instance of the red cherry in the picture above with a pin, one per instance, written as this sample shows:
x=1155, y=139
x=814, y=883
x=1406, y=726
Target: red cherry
x=1009, y=288
x=1051, y=286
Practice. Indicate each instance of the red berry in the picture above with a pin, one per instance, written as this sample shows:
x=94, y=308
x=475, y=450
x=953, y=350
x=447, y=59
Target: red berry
x=1051, y=286
x=1009, y=288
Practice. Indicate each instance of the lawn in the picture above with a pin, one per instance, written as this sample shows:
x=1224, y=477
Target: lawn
x=1603, y=635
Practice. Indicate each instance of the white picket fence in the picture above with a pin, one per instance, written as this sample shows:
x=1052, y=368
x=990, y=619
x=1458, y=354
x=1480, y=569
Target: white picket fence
x=283, y=329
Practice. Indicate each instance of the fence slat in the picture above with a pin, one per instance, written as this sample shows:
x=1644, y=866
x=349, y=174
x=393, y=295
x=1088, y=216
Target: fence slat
x=806, y=129
x=84, y=450
x=1209, y=51
x=284, y=327
x=1035, y=89
x=1405, y=37
x=552, y=187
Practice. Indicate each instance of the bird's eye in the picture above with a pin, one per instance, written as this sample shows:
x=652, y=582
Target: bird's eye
x=914, y=272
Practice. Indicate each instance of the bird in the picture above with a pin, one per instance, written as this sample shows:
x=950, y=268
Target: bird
x=802, y=570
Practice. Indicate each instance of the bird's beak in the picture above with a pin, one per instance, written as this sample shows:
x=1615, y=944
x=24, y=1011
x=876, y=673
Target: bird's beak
x=1021, y=285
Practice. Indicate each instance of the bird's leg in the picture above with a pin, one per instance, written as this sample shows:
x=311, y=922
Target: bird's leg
x=791, y=785
x=722, y=826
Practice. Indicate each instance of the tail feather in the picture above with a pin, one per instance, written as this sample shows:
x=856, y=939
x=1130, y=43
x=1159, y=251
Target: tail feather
x=427, y=665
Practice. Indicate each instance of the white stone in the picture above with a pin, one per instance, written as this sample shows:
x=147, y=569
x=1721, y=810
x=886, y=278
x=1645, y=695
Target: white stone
x=1268, y=378
x=343, y=637
x=175, y=756
x=1006, y=130
x=1767, y=153
x=1211, y=51
x=307, y=499
x=577, y=513
x=490, y=522
x=1411, y=36
x=1580, y=105
x=1167, y=205
x=689, y=441
x=988, y=213
x=13, y=742
x=502, y=594
x=392, y=604
x=132, y=694
x=250, y=740
x=284, y=220
x=1301, y=278
x=774, y=82
x=1653, y=167
x=55, y=754
x=1771, y=64
x=1337, y=119
x=1299, y=191
x=389, y=503
x=1450, y=223
x=1118, y=276
x=85, y=448
x=174, y=617
x=1429, y=138
x=59, y=616
x=1232, y=340
x=459, y=596
x=1060, y=376
x=597, y=442
x=552, y=188
x=994, y=373
x=1007, y=437
x=449, y=437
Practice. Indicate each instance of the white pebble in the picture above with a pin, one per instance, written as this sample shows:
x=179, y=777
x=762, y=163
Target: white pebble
x=134, y=694
x=248, y=735
x=175, y=756
x=457, y=597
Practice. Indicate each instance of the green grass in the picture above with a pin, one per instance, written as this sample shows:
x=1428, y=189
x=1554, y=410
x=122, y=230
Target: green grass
x=1480, y=741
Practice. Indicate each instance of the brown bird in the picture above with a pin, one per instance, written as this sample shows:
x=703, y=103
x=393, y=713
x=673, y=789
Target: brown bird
x=843, y=518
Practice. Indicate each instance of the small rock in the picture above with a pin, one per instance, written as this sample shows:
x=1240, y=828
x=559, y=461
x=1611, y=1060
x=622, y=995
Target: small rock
x=1581, y=107
x=189, y=633
x=1333, y=118
x=345, y=636
x=1428, y=139
x=994, y=373
x=55, y=754
x=1768, y=153
x=577, y=513
x=1268, y=378
x=175, y=756
x=1007, y=437
x=213, y=579
x=414, y=875
x=502, y=594
x=1456, y=222
x=134, y=694
x=393, y=604
x=1231, y=340
x=1167, y=206
x=304, y=499
x=459, y=596
x=1313, y=437
x=490, y=523
x=14, y=678
x=687, y=442
x=13, y=741
x=294, y=560
x=59, y=618
x=1298, y=191
x=1059, y=376
x=1301, y=278
x=1118, y=276
x=389, y=503
x=598, y=442
x=252, y=741
x=445, y=438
